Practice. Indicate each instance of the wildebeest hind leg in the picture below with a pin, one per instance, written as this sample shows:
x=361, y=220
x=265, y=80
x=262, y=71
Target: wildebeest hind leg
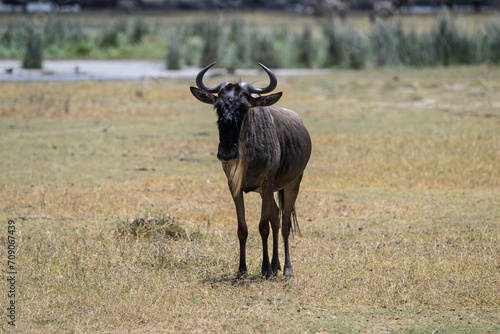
x=275, y=225
x=289, y=194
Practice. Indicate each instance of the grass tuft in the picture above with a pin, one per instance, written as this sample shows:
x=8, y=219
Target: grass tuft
x=306, y=51
x=151, y=225
x=174, y=53
x=139, y=29
x=451, y=44
x=492, y=41
x=213, y=41
x=33, y=54
x=110, y=37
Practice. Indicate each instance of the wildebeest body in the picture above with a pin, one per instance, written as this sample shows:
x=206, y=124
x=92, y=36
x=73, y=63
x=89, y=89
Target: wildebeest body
x=275, y=144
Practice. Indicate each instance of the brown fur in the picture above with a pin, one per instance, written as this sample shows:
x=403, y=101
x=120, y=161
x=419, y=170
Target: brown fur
x=235, y=172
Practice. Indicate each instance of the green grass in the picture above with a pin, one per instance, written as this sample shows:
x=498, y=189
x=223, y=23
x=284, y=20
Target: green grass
x=240, y=39
x=398, y=208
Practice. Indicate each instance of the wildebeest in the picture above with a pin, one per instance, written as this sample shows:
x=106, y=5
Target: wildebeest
x=263, y=149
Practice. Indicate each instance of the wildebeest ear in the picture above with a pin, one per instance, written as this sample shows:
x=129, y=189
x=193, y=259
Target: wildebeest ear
x=203, y=95
x=263, y=101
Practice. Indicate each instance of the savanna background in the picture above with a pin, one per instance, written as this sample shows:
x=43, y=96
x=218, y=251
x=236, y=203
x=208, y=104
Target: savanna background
x=123, y=216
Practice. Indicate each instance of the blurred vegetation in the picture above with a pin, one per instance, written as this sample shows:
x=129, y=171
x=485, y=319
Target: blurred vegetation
x=174, y=53
x=450, y=40
x=33, y=52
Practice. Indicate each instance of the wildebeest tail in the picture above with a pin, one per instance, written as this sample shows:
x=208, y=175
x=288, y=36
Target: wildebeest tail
x=294, y=226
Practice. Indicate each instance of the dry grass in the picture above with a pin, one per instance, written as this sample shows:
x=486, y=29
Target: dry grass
x=398, y=208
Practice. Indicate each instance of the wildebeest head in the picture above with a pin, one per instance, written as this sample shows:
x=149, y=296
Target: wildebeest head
x=232, y=102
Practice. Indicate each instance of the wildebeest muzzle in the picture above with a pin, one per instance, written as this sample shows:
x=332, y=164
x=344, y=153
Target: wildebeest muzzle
x=227, y=153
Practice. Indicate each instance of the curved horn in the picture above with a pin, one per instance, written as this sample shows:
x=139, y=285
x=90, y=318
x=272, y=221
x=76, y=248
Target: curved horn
x=199, y=81
x=272, y=84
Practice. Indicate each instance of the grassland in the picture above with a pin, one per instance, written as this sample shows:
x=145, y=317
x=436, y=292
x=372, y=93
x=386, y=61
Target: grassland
x=399, y=208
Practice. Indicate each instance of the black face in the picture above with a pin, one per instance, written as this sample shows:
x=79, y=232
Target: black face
x=232, y=104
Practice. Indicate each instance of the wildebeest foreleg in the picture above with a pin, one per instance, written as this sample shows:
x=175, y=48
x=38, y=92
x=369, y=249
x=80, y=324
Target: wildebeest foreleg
x=242, y=231
x=290, y=195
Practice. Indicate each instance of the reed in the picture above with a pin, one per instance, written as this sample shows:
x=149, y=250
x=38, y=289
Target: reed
x=33, y=52
x=238, y=42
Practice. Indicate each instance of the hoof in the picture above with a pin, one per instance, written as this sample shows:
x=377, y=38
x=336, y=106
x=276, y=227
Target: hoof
x=275, y=267
x=266, y=274
x=266, y=270
x=288, y=272
x=241, y=275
